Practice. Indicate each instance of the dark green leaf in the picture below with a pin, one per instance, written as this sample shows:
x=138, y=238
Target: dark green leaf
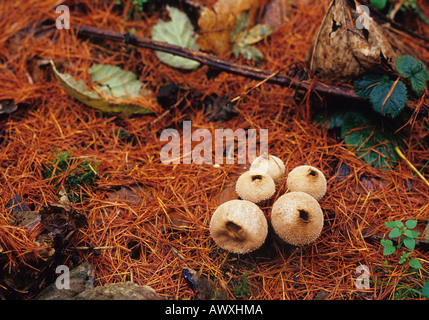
x=395, y=233
x=425, y=290
x=376, y=88
x=411, y=224
x=415, y=71
x=375, y=147
x=364, y=86
x=414, y=263
x=410, y=243
x=393, y=104
x=378, y=4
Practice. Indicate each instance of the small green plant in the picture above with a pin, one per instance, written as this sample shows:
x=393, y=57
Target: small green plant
x=77, y=175
x=405, y=236
x=139, y=4
x=242, y=287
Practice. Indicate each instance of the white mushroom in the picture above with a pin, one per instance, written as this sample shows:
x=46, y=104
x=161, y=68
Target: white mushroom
x=255, y=186
x=307, y=179
x=239, y=226
x=297, y=218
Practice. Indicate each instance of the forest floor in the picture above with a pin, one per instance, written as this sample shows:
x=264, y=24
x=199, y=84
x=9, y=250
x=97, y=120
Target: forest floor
x=150, y=221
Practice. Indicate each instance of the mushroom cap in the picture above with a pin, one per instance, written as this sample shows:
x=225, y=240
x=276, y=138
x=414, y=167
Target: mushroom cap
x=272, y=165
x=307, y=179
x=297, y=218
x=255, y=186
x=239, y=226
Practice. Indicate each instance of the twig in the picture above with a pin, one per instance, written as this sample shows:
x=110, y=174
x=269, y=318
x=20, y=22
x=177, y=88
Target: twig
x=218, y=63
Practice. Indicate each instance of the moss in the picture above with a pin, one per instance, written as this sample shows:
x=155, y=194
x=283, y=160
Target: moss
x=85, y=173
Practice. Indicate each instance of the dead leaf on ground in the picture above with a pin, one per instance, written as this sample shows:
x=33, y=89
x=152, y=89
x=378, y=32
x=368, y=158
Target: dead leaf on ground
x=216, y=24
x=342, y=49
x=277, y=12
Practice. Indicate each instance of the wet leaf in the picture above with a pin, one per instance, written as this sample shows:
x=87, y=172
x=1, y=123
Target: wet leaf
x=115, y=100
x=179, y=31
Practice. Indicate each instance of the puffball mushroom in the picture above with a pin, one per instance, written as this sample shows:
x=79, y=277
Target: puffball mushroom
x=307, y=179
x=239, y=226
x=297, y=218
x=271, y=165
x=255, y=186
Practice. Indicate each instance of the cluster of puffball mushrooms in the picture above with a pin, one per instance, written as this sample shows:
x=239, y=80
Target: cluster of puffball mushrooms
x=240, y=226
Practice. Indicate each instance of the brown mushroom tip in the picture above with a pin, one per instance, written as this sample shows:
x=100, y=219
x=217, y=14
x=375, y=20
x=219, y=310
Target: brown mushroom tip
x=238, y=226
x=297, y=218
x=271, y=165
x=255, y=186
x=307, y=179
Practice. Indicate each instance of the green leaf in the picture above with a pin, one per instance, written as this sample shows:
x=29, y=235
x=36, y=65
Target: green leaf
x=389, y=248
x=411, y=224
x=390, y=224
x=378, y=4
x=410, y=243
x=395, y=232
x=411, y=233
x=377, y=89
x=364, y=86
x=178, y=31
x=243, y=37
x=414, y=263
x=415, y=71
x=393, y=104
x=399, y=223
x=375, y=147
x=248, y=52
x=113, y=83
x=425, y=290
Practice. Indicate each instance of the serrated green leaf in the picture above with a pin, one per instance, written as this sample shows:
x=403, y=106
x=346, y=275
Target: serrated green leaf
x=395, y=232
x=414, y=263
x=364, y=86
x=178, y=31
x=388, y=246
x=410, y=243
x=411, y=233
x=376, y=88
x=375, y=147
x=389, y=105
x=425, y=290
x=114, y=81
x=80, y=91
x=411, y=224
x=415, y=71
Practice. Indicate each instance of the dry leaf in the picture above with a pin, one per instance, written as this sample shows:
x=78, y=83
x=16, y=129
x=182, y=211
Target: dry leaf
x=342, y=50
x=216, y=24
x=277, y=12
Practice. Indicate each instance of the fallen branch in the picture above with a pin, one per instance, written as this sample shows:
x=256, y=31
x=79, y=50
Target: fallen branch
x=220, y=64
